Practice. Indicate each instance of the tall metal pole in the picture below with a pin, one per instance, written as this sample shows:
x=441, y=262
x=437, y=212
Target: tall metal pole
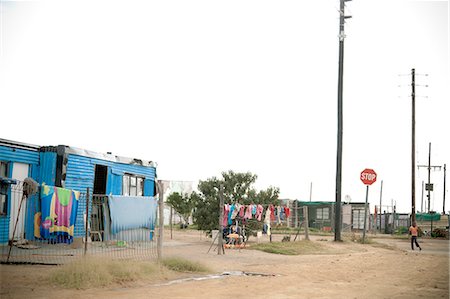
x=429, y=175
x=413, y=146
x=160, y=190
x=310, y=191
x=365, y=214
x=381, y=196
x=87, y=221
x=337, y=219
x=443, y=202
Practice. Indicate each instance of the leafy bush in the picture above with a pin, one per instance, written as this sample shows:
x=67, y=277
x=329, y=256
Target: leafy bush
x=439, y=233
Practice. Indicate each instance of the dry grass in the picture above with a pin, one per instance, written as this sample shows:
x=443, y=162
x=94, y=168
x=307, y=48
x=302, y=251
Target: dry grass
x=182, y=265
x=292, y=248
x=97, y=272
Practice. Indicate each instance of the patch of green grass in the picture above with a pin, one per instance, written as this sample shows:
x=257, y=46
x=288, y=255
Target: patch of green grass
x=94, y=272
x=291, y=248
x=183, y=265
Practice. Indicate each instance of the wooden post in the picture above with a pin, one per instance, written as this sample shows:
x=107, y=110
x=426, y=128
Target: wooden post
x=170, y=222
x=87, y=221
x=306, y=220
x=160, y=189
x=296, y=214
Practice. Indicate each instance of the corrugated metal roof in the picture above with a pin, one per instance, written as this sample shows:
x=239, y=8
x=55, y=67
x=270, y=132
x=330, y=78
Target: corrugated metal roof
x=78, y=151
x=21, y=145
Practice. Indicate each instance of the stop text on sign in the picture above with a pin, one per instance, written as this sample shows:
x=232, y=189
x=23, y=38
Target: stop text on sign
x=368, y=176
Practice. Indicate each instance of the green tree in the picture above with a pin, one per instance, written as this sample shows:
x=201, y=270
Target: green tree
x=238, y=188
x=182, y=204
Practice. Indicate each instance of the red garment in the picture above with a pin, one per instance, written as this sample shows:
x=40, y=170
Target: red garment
x=287, y=212
x=272, y=212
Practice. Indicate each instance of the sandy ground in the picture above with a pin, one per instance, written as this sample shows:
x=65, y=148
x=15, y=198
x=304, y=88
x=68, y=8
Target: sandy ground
x=349, y=270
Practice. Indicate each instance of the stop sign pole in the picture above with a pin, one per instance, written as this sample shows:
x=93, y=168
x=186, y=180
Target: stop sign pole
x=368, y=177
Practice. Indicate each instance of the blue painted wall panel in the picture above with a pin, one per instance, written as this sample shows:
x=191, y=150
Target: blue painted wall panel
x=4, y=229
x=80, y=176
x=10, y=154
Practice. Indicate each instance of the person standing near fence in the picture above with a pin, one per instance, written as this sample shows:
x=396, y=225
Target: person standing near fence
x=414, y=232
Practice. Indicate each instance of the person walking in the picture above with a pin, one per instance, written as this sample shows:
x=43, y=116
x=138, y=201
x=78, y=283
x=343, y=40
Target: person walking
x=414, y=232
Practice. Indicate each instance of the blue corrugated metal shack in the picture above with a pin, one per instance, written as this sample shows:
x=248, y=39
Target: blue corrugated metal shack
x=78, y=169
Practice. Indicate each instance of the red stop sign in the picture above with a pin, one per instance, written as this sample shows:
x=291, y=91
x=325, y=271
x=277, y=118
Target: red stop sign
x=368, y=176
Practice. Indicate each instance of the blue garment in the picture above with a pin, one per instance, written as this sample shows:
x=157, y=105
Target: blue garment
x=130, y=212
x=230, y=221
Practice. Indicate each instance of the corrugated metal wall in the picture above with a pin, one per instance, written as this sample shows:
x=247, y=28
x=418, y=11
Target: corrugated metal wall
x=48, y=168
x=80, y=176
x=11, y=154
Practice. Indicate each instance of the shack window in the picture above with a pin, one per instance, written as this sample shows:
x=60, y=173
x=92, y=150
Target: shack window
x=323, y=213
x=3, y=197
x=132, y=185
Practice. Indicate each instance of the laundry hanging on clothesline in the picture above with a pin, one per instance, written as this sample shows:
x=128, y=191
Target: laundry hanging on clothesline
x=254, y=211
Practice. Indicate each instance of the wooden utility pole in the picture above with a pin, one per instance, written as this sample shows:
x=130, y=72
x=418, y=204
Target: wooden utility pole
x=413, y=146
x=337, y=218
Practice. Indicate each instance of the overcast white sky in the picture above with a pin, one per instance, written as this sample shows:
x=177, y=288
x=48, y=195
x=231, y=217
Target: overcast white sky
x=202, y=87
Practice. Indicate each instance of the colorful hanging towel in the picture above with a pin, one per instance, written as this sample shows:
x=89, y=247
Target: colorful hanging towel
x=58, y=211
x=236, y=209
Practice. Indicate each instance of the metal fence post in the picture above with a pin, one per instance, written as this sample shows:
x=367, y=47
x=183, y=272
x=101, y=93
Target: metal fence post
x=160, y=190
x=86, y=221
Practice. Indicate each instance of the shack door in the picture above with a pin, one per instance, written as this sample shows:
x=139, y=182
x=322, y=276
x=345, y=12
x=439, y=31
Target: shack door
x=358, y=219
x=19, y=172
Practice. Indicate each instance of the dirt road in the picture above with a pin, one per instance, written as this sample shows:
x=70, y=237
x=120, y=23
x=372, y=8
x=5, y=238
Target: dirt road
x=347, y=270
